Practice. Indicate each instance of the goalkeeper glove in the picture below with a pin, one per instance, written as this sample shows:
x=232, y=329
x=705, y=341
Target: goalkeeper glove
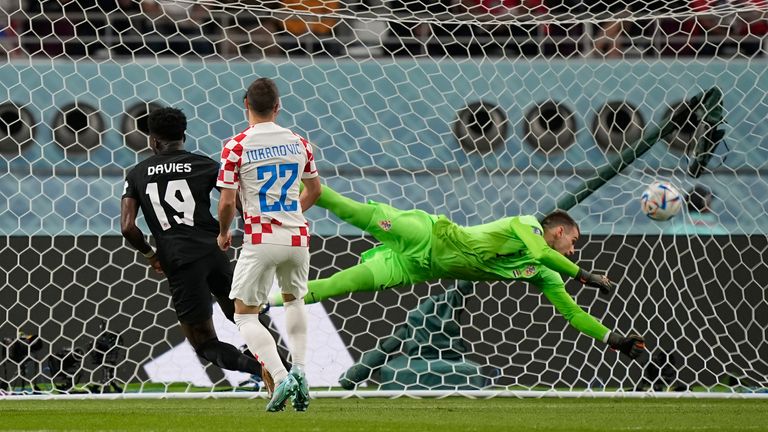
x=596, y=281
x=631, y=346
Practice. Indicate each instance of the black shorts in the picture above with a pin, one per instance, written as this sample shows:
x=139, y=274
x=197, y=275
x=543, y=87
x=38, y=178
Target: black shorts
x=193, y=283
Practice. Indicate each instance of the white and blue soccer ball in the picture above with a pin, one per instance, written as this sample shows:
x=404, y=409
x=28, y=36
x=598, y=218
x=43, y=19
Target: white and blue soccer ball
x=661, y=201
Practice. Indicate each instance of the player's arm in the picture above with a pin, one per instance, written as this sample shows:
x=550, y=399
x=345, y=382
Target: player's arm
x=228, y=183
x=310, y=179
x=631, y=346
x=310, y=192
x=576, y=316
x=227, y=206
x=556, y=261
x=238, y=204
x=214, y=167
x=129, y=209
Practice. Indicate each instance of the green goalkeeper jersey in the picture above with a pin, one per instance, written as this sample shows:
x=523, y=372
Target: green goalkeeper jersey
x=509, y=248
x=419, y=247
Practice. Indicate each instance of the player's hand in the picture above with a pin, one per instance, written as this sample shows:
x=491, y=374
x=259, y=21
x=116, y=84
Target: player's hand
x=224, y=241
x=631, y=346
x=155, y=264
x=600, y=282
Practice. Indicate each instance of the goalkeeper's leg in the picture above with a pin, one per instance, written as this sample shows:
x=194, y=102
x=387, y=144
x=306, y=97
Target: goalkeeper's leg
x=353, y=279
x=348, y=210
x=386, y=269
x=359, y=278
x=405, y=231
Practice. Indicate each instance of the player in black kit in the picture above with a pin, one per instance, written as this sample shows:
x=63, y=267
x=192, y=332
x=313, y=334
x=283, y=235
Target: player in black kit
x=173, y=188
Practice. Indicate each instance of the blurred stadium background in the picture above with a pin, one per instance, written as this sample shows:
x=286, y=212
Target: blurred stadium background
x=472, y=109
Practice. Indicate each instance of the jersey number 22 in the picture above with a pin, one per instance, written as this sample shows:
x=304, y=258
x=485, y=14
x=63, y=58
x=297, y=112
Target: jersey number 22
x=287, y=174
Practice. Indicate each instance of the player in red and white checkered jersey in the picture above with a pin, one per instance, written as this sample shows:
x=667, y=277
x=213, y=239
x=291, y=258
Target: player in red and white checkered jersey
x=265, y=163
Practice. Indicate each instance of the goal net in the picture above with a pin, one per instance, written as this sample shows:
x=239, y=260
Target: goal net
x=476, y=110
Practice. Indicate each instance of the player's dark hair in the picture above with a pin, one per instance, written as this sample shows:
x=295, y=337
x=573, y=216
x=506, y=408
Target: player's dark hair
x=558, y=218
x=262, y=96
x=167, y=125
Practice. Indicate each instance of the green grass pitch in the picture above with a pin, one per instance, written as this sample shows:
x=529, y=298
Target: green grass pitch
x=390, y=415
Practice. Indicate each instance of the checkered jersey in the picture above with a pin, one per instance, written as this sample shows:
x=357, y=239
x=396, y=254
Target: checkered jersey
x=267, y=162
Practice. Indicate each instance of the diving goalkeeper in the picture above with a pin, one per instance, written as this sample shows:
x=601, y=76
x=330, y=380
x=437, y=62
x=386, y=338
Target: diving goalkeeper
x=419, y=247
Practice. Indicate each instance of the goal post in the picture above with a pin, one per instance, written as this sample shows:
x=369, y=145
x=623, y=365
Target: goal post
x=702, y=113
x=473, y=113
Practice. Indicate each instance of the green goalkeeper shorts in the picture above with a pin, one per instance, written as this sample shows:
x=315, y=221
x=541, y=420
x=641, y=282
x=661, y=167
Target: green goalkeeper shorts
x=404, y=257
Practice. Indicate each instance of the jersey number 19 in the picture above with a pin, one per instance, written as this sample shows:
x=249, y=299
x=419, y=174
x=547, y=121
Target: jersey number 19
x=179, y=197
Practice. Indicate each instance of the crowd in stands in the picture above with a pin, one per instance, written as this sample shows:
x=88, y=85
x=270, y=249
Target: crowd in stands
x=252, y=28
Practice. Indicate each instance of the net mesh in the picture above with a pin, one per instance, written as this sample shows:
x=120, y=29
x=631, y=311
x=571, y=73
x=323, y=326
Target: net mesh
x=472, y=109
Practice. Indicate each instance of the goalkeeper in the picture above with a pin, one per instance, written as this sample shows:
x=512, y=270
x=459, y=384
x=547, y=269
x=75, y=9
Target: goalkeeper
x=419, y=247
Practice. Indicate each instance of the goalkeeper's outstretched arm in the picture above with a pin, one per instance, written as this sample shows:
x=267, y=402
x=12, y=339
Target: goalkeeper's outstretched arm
x=631, y=346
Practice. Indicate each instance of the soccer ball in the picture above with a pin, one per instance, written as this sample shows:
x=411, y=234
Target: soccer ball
x=661, y=201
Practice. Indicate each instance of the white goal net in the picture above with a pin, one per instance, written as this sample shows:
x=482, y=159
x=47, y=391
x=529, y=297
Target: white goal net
x=473, y=109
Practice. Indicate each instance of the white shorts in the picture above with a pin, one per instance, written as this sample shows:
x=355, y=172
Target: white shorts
x=258, y=265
